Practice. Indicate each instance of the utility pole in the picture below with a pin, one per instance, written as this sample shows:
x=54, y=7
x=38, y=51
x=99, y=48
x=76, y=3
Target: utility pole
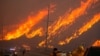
x=47, y=24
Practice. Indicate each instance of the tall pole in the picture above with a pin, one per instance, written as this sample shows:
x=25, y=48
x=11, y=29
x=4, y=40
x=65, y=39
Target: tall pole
x=47, y=24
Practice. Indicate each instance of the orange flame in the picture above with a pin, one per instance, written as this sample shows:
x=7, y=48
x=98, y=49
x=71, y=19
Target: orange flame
x=42, y=44
x=34, y=33
x=26, y=26
x=67, y=19
x=83, y=29
x=96, y=43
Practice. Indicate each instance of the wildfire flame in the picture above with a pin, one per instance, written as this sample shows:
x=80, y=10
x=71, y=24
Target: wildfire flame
x=63, y=21
x=34, y=33
x=83, y=29
x=26, y=26
x=67, y=19
x=96, y=43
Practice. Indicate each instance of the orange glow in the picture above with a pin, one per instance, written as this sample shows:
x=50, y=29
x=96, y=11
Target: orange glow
x=96, y=43
x=49, y=46
x=83, y=29
x=67, y=19
x=26, y=47
x=42, y=44
x=26, y=26
x=35, y=32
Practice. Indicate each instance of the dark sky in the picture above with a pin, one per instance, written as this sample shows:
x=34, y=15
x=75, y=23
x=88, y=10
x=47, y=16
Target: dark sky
x=14, y=12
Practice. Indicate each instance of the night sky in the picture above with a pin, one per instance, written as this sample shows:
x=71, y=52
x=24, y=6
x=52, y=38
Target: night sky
x=15, y=12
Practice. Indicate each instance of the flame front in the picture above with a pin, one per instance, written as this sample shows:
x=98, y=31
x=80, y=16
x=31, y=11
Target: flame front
x=67, y=20
x=26, y=26
x=83, y=29
x=96, y=43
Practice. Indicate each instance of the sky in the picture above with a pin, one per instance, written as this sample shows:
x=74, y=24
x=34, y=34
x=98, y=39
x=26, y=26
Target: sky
x=69, y=22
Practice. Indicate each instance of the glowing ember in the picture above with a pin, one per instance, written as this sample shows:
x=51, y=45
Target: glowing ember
x=83, y=29
x=96, y=43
